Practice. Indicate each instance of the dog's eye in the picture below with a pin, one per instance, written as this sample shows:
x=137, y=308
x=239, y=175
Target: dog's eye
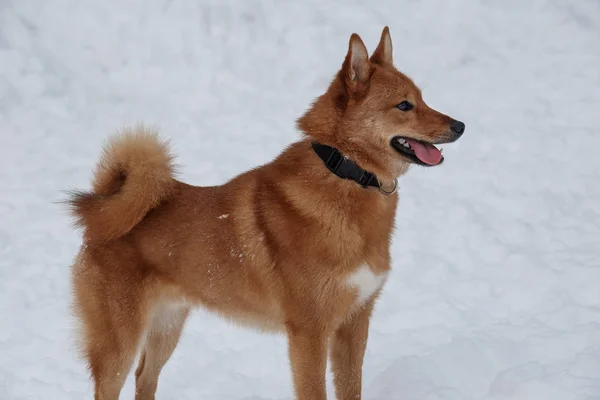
x=404, y=106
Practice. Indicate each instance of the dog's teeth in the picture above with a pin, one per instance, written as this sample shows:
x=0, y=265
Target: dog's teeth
x=441, y=149
x=406, y=145
x=401, y=141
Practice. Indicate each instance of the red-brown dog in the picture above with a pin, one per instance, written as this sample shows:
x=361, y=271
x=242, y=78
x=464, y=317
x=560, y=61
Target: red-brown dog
x=300, y=245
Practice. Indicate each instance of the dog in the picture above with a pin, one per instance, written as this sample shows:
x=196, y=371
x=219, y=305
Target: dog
x=300, y=245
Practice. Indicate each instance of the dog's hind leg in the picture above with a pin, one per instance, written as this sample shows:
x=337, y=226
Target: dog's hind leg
x=161, y=339
x=110, y=302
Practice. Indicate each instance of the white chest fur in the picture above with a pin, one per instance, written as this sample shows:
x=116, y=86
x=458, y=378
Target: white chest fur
x=366, y=282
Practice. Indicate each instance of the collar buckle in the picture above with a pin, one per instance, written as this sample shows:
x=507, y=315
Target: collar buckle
x=345, y=168
x=334, y=161
x=365, y=179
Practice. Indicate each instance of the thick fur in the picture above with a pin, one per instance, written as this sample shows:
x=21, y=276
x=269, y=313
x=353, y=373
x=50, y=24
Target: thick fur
x=133, y=176
x=285, y=247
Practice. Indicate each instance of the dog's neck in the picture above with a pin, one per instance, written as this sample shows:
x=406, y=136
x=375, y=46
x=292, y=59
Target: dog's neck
x=345, y=168
x=321, y=120
x=321, y=123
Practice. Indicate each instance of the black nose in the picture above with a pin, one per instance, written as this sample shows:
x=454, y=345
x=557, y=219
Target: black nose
x=457, y=127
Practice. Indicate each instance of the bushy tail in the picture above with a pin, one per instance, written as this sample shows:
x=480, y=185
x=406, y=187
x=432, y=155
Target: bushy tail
x=134, y=175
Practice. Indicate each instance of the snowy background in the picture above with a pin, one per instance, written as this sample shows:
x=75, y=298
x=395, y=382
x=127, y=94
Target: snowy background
x=495, y=285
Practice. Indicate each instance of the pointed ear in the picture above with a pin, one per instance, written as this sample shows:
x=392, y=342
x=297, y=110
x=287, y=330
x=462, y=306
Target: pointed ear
x=356, y=65
x=383, y=53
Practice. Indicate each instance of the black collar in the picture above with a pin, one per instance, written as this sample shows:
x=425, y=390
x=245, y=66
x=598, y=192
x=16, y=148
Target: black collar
x=343, y=167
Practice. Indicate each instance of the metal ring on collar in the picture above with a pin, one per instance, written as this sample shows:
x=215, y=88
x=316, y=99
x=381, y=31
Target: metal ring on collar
x=393, y=190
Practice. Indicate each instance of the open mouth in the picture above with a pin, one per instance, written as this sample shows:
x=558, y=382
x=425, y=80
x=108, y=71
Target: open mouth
x=417, y=151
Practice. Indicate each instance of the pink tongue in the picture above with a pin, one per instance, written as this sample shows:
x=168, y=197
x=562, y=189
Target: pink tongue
x=427, y=153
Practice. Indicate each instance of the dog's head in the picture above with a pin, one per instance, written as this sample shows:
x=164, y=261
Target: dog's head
x=375, y=114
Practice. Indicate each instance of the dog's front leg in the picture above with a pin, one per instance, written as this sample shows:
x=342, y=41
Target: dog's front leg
x=348, y=346
x=308, y=357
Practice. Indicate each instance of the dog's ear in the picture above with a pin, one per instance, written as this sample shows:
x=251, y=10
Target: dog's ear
x=356, y=67
x=383, y=53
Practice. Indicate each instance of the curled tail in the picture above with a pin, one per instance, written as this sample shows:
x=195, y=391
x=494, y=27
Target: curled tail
x=134, y=175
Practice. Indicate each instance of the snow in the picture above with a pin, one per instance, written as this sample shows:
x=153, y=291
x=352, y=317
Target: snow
x=494, y=291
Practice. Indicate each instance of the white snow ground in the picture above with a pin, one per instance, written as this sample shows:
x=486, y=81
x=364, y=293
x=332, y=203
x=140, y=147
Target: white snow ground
x=495, y=289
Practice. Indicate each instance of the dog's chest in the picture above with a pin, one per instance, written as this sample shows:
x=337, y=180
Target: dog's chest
x=365, y=283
